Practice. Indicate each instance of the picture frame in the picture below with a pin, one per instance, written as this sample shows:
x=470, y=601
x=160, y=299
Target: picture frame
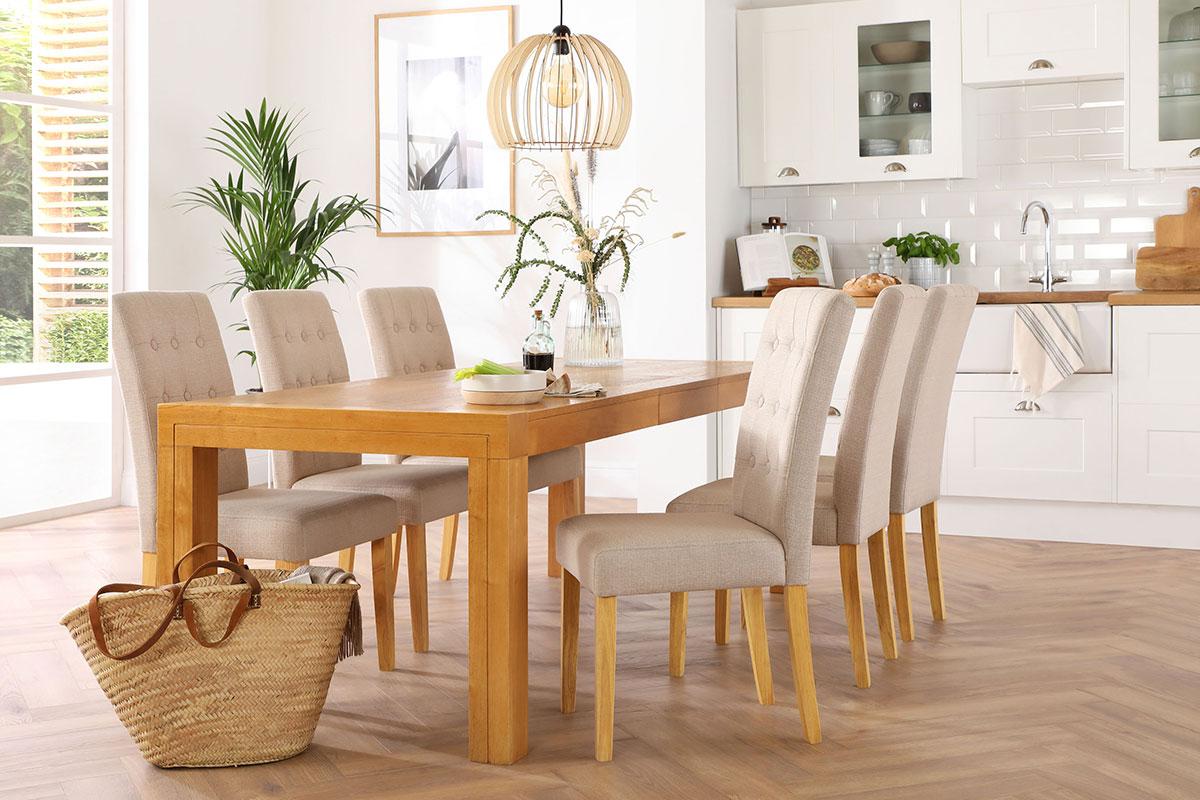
x=437, y=166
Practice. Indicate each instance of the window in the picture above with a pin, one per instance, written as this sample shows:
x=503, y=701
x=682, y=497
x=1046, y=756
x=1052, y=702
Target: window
x=59, y=250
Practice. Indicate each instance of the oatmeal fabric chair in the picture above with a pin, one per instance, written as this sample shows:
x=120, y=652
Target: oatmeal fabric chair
x=763, y=538
x=852, y=507
x=167, y=348
x=408, y=334
x=298, y=344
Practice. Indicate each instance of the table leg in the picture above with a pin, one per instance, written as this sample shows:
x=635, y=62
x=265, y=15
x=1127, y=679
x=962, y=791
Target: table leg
x=498, y=627
x=187, y=506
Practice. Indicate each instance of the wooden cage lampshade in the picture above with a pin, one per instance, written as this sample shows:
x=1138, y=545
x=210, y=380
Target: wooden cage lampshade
x=560, y=91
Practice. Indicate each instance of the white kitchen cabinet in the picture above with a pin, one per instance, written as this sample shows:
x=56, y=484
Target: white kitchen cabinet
x=1158, y=354
x=1162, y=89
x=803, y=77
x=783, y=87
x=1018, y=41
x=1158, y=412
x=939, y=143
x=1062, y=451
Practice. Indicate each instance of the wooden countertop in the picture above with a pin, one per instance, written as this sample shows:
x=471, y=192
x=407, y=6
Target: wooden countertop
x=1154, y=299
x=985, y=298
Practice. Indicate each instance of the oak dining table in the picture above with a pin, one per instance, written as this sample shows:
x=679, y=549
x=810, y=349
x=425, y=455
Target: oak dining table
x=424, y=414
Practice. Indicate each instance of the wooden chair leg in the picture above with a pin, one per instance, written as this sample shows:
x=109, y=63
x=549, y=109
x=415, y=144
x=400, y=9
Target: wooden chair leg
x=852, y=599
x=418, y=587
x=397, y=540
x=289, y=565
x=449, y=540
x=721, y=617
x=569, y=642
x=563, y=500
x=606, y=675
x=149, y=569
x=933, y=560
x=678, y=637
x=876, y=554
x=756, y=633
x=800, y=642
x=385, y=619
x=346, y=559
x=895, y=536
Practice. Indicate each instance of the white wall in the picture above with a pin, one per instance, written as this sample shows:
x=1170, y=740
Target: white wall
x=317, y=56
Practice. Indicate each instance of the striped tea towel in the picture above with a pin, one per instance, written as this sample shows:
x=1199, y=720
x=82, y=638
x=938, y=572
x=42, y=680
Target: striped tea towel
x=1046, y=346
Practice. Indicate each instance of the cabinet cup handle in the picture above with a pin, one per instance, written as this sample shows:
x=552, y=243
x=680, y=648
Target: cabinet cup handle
x=833, y=412
x=1041, y=63
x=895, y=166
x=1195, y=153
x=788, y=172
x=1027, y=405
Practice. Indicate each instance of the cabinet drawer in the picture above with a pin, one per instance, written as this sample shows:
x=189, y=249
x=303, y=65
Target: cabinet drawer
x=1158, y=355
x=1003, y=39
x=1159, y=455
x=1062, y=452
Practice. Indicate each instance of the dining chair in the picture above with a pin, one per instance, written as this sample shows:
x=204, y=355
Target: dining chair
x=167, y=348
x=763, y=538
x=297, y=344
x=408, y=334
x=852, y=506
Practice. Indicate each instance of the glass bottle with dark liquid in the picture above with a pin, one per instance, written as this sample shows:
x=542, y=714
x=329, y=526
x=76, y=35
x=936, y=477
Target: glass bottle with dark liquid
x=538, y=352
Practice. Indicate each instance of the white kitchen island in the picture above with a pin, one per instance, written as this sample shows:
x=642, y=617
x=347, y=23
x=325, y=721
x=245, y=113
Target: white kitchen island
x=1110, y=456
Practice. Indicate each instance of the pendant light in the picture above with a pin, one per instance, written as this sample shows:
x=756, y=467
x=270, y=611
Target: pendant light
x=559, y=91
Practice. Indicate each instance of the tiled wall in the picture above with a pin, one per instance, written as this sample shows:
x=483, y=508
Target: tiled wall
x=1059, y=143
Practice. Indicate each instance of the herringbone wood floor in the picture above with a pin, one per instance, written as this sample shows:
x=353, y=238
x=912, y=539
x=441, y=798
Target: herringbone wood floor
x=1065, y=672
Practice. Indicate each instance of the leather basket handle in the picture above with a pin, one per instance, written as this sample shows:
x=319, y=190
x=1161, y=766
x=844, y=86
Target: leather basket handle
x=228, y=551
x=247, y=601
x=98, y=629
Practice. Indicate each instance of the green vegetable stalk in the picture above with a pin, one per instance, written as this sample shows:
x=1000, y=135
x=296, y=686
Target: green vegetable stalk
x=486, y=367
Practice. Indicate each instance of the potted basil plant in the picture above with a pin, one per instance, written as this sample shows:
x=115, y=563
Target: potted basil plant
x=923, y=252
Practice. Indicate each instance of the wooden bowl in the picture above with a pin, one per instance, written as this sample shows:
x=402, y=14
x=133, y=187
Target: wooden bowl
x=900, y=52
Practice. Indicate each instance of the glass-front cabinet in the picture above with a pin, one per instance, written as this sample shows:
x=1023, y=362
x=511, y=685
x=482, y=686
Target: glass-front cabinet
x=900, y=97
x=1163, y=86
x=853, y=91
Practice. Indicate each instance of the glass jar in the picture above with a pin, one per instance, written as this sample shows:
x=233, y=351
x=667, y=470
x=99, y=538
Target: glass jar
x=538, y=350
x=594, y=330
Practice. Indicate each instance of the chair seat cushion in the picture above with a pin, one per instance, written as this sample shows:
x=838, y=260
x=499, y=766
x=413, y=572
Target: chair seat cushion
x=717, y=496
x=297, y=526
x=546, y=469
x=422, y=492
x=624, y=554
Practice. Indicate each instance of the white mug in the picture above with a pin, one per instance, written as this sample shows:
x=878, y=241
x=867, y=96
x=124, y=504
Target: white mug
x=880, y=102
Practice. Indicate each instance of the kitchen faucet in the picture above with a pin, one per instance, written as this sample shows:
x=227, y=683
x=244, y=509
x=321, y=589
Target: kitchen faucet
x=1047, y=280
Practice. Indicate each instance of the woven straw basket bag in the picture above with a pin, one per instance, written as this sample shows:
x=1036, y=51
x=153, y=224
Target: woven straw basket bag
x=217, y=671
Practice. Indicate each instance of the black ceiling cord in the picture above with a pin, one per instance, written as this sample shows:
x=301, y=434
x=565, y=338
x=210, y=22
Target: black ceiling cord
x=561, y=46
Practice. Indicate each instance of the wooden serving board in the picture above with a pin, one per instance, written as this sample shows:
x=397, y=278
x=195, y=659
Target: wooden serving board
x=1173, y=264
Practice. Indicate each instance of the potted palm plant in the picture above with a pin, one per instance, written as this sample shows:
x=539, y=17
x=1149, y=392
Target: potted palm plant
x=922, y=252
x=278, y=238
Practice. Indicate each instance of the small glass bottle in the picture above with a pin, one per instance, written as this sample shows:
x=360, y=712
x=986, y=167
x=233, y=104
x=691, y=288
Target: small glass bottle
x=873, y=259
x=888, y=266
x=538, y=352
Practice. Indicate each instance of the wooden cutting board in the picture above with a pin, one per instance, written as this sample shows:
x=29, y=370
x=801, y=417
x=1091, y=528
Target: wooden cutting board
x=1174, y=262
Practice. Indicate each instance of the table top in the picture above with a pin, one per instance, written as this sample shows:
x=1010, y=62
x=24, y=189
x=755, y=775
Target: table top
x=985, y=298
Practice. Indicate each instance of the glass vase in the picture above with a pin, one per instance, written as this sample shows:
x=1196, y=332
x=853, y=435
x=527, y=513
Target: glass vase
x=594, y=330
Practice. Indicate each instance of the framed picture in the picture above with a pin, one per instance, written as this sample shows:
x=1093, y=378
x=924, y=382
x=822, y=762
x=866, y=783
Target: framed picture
x=436, y=164
x=808, y=257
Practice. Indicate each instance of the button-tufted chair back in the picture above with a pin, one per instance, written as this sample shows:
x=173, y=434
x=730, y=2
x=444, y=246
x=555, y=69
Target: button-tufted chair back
x=921, y=430
x=167, y=347
x=406, y=330
x=297, y=343
x=779, y=440
x=863, y=470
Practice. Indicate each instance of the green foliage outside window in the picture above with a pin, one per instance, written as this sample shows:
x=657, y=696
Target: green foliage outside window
x=78, y=337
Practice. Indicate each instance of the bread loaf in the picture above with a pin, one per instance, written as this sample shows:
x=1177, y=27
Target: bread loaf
x=869, y=285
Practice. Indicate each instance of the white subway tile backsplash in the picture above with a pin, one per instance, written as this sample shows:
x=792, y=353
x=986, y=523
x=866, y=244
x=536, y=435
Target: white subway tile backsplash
x=901, y=205
x=855, y=207
x=1080, y=120
x=1059, y=143
x=1051, y=96
x=1054, y=148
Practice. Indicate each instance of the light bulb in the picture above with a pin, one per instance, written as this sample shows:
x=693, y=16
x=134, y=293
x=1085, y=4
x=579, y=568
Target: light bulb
x=560, y=81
